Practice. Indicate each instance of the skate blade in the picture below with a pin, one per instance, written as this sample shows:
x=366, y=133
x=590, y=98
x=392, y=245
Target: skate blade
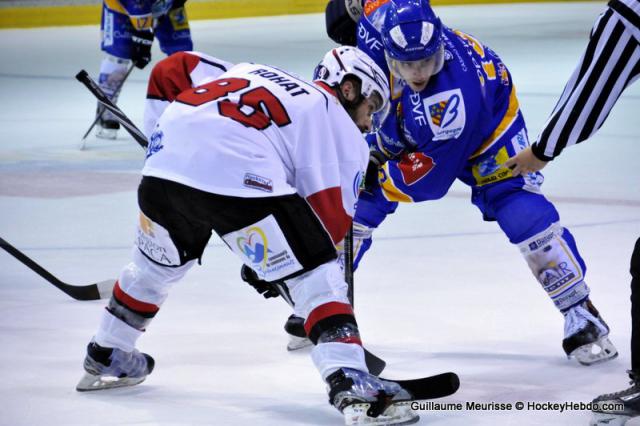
x=397, y=414
x=604, y=419
x=103, y=133
x=594, y=353
x=296, y=343
x=93, y=382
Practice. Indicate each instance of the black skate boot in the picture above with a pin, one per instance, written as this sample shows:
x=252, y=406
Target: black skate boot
x=615, y=409
x=365, y=399
x=107, y=368
x=586, y=335
x=107, y=125
x=297, y=336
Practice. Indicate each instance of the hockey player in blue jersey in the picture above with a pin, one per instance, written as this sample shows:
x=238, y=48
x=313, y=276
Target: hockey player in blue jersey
x=456, y=116
x=128, y=28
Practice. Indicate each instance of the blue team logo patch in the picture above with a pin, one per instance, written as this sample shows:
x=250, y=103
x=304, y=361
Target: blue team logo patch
x=447, y=116
x=254, y=245
x=155, y=143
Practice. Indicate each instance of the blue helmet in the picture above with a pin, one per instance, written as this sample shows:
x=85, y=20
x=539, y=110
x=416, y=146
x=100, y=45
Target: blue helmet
x=411, y=30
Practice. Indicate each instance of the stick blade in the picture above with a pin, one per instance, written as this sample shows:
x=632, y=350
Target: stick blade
x=432, y=387
x=97, y=291
x=105, y=288
x=374, y=364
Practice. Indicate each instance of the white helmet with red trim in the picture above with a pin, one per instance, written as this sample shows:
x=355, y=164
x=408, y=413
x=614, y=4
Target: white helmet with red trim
x=346, y=61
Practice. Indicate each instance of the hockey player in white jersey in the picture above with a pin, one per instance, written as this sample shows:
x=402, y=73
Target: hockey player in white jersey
x=273, y=165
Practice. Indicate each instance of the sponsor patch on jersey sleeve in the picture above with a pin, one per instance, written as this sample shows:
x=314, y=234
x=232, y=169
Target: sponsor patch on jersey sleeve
x=447, y=115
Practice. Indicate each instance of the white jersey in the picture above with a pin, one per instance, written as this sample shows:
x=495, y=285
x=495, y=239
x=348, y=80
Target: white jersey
x=173, y=75
x=258, y=131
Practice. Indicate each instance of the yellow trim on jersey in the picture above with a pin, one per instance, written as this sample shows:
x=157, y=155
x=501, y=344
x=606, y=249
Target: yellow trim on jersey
x=509, y=117
x=116, y=6
x=489, y=69
x=48, y=16
x=179, y=19
x=501, y=173
x=139, y=22
x=390, y=190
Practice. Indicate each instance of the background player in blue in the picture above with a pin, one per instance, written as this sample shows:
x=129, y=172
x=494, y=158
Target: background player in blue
x=456, y=115
x=128, y=28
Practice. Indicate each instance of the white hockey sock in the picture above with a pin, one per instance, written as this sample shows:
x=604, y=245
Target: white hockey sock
x=115, y=333
x=328, y=357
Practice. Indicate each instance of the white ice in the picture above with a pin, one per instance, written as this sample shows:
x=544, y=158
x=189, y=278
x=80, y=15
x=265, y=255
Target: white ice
x=441, y=290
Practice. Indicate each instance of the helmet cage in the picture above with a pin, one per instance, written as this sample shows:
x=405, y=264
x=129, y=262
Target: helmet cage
x=419, y=69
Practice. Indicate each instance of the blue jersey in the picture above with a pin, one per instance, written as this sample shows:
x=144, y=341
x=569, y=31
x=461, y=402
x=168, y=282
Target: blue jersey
x=140, y=12
x=167, y=19
x=433, y=137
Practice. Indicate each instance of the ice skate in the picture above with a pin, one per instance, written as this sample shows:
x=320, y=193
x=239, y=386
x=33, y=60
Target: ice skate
x=297, y=336
x=365, y=399
x=587, y=335
x=107, y=368
x=615, y=409
x=107, y=127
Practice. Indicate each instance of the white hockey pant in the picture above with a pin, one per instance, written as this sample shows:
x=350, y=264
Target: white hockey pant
x=320, y=297
x=142, y=288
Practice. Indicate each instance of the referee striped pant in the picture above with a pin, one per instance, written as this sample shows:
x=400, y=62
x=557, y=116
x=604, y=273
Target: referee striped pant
x=610, y=63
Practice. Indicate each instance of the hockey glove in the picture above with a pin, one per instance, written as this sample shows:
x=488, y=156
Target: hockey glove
x=376, y=160
x=177, y=4
x=341, y=18
x=141, y=48
x=249, y=276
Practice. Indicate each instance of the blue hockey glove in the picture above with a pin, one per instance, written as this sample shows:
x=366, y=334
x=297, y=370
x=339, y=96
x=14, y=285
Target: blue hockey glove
x=141, y=48
x=249, y=276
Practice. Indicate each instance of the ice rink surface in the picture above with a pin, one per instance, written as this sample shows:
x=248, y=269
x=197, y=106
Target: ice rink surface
x=441, y=290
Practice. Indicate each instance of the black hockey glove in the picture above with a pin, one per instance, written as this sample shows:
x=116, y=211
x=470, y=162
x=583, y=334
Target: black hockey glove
x=341, y=26
x=177, y=4
x=376, y=160
x=141, y=48
x=264, y=288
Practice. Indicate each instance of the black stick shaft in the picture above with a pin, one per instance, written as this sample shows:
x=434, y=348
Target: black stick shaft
x=348, y=264
x=131, y=128
x=93, y=291
x=102, y=108
x=31, y=264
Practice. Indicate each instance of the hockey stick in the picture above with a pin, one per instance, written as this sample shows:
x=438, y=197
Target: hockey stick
x=138, y=136
x=375, y=364
x=102, y=108
x=94, y=291
x=348, y=263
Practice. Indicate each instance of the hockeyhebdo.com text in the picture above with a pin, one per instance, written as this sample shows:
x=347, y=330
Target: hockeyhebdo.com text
x=516, y=406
